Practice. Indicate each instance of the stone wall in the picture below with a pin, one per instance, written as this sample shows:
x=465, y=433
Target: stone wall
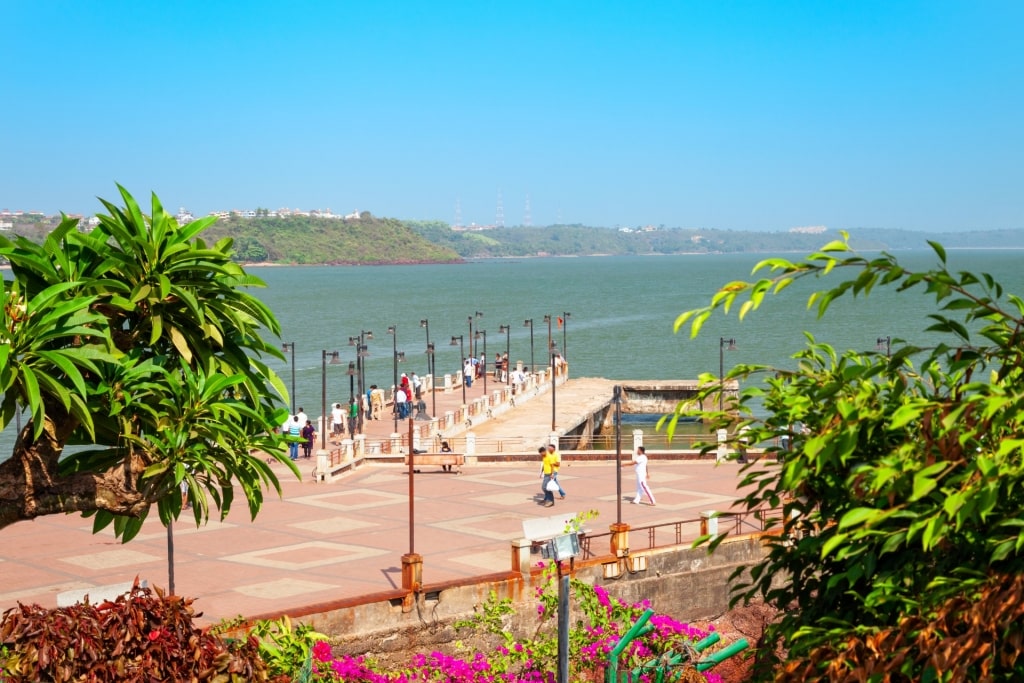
x=686, y=583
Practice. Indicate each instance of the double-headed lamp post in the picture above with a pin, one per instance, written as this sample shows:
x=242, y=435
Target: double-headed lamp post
x=507, y=331
x=476, y=314
x=886, y=343
x=723, y=346
x=432, y=370
x=351, y=372
x=458, y=341
x=398, y=357
x=483, y=334
x=362, y=351
x=323, y=394
x=289, y=347
x=529, y=323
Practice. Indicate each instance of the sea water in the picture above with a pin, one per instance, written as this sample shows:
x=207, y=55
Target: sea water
x=617, y=315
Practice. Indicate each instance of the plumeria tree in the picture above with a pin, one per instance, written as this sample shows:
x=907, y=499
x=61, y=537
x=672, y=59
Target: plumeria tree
x=898, y=549
x=137, y=344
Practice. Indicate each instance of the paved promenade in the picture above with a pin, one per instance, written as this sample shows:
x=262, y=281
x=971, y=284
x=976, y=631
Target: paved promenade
x=327, y=541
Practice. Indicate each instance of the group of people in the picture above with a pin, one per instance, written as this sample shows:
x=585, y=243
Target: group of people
x=551, y=462
x=301, y=432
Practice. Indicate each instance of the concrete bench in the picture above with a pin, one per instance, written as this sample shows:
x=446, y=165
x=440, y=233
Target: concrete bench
x=439, y=459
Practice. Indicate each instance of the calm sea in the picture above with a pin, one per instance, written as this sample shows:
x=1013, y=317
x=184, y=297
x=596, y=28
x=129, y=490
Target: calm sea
x=618, y=314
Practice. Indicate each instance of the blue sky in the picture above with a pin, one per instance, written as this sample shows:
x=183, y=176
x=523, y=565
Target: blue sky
x=717, y=114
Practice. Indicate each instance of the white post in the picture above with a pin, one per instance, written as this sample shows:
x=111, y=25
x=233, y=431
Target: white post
x=470, y=444
x=722, y=453
x=638, y=439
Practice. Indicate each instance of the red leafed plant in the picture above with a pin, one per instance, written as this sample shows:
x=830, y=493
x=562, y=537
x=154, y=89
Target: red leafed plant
x=143, y=635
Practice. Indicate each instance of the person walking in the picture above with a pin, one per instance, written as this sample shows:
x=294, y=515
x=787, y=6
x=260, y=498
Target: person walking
x=417, y=386
x=337, y=420
x=294, y=436
x=640, y=467
x=309, y=434
x=353, y=417
x=556, y=460
x=467, y=373
x=376, y=401
x=546, y=470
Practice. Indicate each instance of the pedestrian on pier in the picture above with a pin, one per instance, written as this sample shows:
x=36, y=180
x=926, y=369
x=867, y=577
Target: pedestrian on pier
x=640, y=467
x=353, y=417
x=547, y=484
x=556, y=462
x=309, y=434
x=337, y=420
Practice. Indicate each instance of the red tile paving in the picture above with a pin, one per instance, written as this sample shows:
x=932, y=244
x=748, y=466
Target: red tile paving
x=327, y=541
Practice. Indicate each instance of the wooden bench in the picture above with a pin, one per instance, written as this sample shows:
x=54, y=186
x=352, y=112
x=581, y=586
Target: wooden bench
x=440, y=459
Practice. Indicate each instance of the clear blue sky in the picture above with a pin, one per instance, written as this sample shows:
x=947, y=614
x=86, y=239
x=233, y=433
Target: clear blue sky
x=714, y=114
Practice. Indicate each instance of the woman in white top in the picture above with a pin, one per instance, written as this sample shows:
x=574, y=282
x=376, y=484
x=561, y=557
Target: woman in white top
x=640, y=467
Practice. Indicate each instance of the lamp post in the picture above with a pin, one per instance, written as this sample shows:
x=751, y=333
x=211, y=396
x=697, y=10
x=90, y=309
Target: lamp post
x=362, y=351
x=426, y=324
x=507, y=330
x=351, y=372
x=457, y=341
x=398, y=357
x=289, y=347
x=483, y=333
x=565, y=329
x=432, y=369
x=547, y=319
x=884, y=342
x=723, y=346
x=529, y=323
x=323, y=394
x=552, y=353
x=477, y=314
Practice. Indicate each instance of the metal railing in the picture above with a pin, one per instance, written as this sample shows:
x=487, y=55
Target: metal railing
x=679, y=532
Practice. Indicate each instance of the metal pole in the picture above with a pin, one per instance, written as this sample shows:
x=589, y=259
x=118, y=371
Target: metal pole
x=563, y=625
x=529, y=323
x=412, y=496
x=170, y=557
x=462, y=350
x=617, y=399
x=289, y=347
x=722, y=341
x=554, y=384
x=426, y=324
x=565, y=330
x=323, y=401
x=483, y=333
x=393, y=331
x=432, y=371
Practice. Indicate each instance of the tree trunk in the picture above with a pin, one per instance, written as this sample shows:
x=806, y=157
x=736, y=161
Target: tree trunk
x=31, y=486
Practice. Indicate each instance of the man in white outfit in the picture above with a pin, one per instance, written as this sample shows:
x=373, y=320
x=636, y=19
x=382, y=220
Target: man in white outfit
x=640, y=467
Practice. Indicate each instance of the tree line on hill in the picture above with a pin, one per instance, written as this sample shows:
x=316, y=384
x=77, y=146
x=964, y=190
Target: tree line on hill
x=369, y=240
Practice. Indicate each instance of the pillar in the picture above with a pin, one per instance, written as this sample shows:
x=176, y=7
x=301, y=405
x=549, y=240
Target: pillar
x=521, y=555
x=619, y=539
x=638, y=439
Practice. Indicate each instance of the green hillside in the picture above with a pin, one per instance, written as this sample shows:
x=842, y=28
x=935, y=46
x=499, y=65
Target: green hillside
x=304, y=240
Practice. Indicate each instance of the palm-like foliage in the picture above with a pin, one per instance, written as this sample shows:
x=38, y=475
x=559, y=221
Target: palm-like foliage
x=138, y=340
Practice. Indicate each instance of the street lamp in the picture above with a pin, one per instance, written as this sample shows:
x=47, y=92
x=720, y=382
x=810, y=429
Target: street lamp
x=398, y=357
x=477, y=314
x=529, y=323
x=553, y=351
x=479, y=334
x=723, y=346
x=289, y=347
x=426, y=324
x=432, y=369
x=457, y=341
x=323, y=394
x=351, y=372
x=887, y=343
x=362, y=351
x=547, y=319
x=564, y=320
x=507, y=329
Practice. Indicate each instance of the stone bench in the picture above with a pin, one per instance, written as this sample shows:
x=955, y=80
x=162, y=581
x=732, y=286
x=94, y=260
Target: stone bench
x=440, y=459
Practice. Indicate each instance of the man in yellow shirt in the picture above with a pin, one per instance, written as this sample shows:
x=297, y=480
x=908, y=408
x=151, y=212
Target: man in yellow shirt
x=547, y=469
x=556, y=465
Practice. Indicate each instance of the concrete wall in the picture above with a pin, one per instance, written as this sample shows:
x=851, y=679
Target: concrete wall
x=683, y=582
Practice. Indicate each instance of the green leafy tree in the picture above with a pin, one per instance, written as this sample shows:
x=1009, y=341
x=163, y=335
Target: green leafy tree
x=137, y=344
x=903, y=493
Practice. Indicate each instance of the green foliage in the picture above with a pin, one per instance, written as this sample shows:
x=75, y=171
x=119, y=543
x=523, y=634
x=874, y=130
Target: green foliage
x=139, y=341
x=905, y=485
x=308, y=240
x=287, y=650
x=141, y=636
